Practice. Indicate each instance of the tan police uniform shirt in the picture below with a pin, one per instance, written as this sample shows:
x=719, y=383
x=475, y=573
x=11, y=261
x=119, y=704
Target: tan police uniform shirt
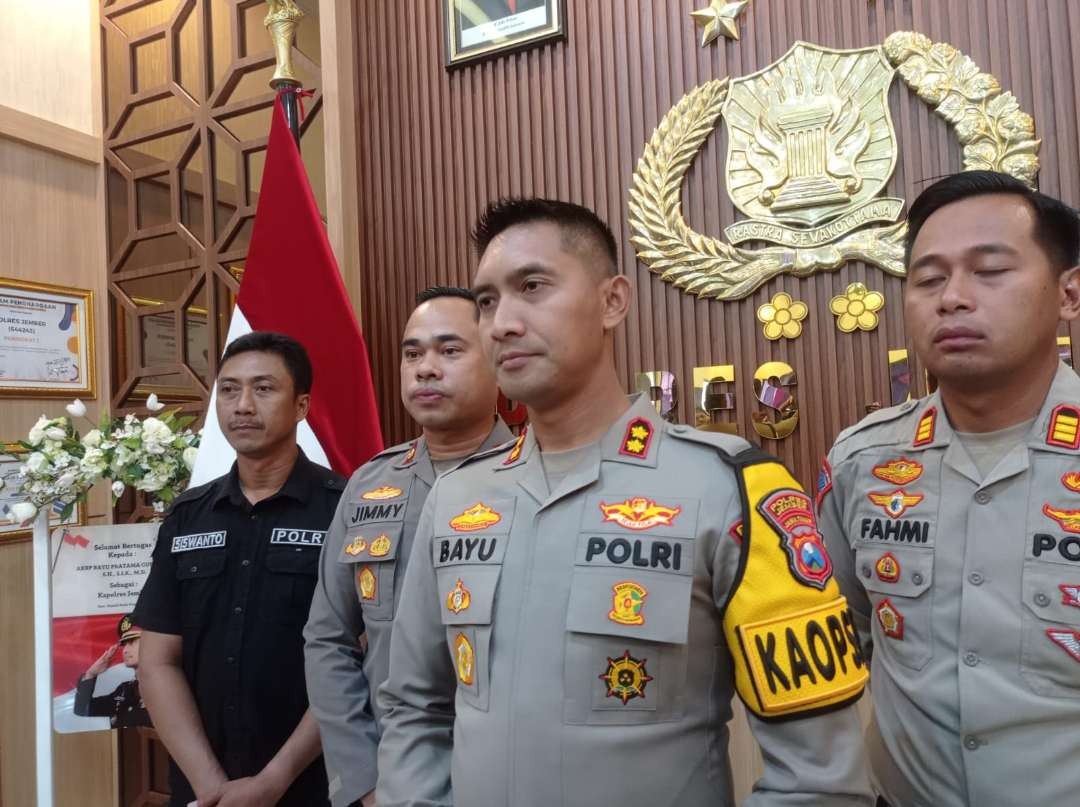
x=971, y=590
x=360, y=575
x=581, y=647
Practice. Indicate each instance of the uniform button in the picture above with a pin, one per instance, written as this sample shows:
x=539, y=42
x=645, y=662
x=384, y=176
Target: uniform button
x=194, y=569
x=238, y=610
x=866, y=570
x=231, y=659
x=1042, y=600
x=975, y=579
x=971, y=659
x=679, y=429
x=245, y=562
x=917, y=579
x=971, y=743
x=252, y=516
x=982, y=497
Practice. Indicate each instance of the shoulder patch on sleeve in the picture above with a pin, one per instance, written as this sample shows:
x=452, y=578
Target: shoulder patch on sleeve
x=789, y=629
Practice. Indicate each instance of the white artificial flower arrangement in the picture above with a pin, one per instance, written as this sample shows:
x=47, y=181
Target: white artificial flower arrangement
x=154, y=455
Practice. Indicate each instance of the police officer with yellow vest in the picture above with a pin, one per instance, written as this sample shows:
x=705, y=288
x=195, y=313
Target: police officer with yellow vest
x=447, y=387
x=952, y=521
x=580, y=607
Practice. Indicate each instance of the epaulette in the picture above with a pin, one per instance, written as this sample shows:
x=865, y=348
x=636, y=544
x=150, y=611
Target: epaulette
x=730, y=446
x=400, y=448
x=334, y=482
x=501, y=448
x=878, y=418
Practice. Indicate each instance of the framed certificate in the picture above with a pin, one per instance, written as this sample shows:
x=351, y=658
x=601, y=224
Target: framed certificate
x=476, y=29
x=11, y=457
x=46, y=340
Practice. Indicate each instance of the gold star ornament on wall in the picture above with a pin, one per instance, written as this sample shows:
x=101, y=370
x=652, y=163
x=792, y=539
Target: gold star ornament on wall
x=719, y=18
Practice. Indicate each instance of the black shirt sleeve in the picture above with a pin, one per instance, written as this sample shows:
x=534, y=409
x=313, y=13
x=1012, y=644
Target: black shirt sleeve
x=86, y=705
x=158, y=608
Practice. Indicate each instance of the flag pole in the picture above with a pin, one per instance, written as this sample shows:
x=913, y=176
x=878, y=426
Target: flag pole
x=281, y=22
x=43, y=707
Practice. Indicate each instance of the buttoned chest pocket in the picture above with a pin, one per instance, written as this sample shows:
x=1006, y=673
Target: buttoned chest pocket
x=1050, y=653
x=292, y=566
x=374, y=553
x=200, y=576
x=899, y=582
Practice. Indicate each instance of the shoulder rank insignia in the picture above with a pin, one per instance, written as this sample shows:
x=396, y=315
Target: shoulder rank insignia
x=891, y=620
x=365, y=579
x=459, y=598
x=1067, y=640
x=384, y=492
x=477, y=517
x=924, y=432
x=1070, y=594
x=627, y=603
x=897, y=503
x=515, y=452
x=639, y=513
x=356, y=546
x=899, y=472
x=625, y=677
x=790, y=513
x=636, y=440
x=380, y=546
x=1068, y=519
x=1071, y=480
x=824, y=482
x=1064, y=429
x=410, y=456
x=464, y=659
x=888, y=568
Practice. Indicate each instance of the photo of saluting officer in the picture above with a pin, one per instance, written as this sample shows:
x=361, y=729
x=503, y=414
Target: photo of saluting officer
x=124, y=705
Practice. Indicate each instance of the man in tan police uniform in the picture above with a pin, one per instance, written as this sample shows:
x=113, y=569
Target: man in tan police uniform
x=953, y=521
x=579, y=607
x=449, y=389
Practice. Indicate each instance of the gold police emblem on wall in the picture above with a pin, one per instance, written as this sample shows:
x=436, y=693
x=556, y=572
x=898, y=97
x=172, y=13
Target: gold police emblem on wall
x=810, y=148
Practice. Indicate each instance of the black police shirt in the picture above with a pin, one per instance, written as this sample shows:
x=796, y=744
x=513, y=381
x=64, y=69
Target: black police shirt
x=235, y=582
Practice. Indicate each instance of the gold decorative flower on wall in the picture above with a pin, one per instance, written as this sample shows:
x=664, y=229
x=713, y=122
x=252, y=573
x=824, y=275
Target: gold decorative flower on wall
x=857, y=308
x=782, y=316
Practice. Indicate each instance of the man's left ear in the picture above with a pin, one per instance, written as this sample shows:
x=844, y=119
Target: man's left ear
x=617, y=296
x=1069, y=284
x=303, y=404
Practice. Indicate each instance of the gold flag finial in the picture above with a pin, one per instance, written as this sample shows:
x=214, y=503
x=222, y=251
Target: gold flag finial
x=281, y=22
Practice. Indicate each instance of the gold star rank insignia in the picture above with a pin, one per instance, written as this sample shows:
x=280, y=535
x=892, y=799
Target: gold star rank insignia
x=636, y=440
x=625, y=677
x=719, y=18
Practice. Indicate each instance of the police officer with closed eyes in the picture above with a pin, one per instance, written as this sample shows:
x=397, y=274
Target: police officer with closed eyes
x=224, y=606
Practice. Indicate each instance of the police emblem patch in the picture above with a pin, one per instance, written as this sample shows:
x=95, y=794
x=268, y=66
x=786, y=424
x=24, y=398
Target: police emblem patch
x=627, y=603
x=824, y=482
x=459, y=598
x=899, y=471
x=887, y=568
x=1071, y=480
x=636, y=440
x=356, y=546
x=625, y=677
x=365, y=579
x=1067, y=640
x=1070, y=594
x=897, y=503
x=890, y=619
x=791, y=514
x=380, y=546
x=1064, y=429
x=380, y=493
x=464, y=659
x=1069, y=520
x=477, y=517
x=639, y=513
x=924, y=432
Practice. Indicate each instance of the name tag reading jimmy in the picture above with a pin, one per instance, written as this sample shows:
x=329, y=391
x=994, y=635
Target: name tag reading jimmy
x=202, y=540
x=283, y=535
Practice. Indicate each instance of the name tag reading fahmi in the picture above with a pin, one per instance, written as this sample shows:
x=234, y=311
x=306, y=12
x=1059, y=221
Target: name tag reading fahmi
x=283, y=535
x=202, y=540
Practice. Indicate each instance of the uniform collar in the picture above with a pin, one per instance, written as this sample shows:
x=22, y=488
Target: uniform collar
x=419, y=459
x=299, y=484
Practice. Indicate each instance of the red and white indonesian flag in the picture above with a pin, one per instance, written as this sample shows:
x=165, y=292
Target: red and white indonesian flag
x=292, y=285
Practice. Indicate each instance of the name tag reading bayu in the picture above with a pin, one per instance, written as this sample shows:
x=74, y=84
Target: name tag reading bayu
x=202, y=540
x=283, y=535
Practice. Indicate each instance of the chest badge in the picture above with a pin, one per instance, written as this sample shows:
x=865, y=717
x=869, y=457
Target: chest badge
x=627, y=603
x=888, y=568
x=1068, y=519
x=791, y=514
x=356, y=546
x=380, y=546
x=365, y=578
x=897, y=503
x=380, y=493
x=890, y=619
x=639, y=513
x=477, y=517
x=1067, y=640
x=464, y=659
x=899, y=472
x=625, y=677
x=459, y=598
x=1071, y=480
x=1070, y=594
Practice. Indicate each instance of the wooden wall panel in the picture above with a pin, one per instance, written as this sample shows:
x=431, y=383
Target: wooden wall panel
x=570, y=119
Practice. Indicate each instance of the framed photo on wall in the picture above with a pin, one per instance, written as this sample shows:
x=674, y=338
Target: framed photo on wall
x=11, y=457
x=46, y=340
x=476, y=29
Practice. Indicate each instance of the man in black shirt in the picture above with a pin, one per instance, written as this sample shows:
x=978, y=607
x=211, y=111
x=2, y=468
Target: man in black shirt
x=224, y=606
x=124, y=705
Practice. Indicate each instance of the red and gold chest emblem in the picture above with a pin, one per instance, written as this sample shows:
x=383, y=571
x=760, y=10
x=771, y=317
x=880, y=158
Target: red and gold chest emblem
x=1070, y=594
x=888, y=568
x=1069, y=520
x=890, y=619
x=477, y=517
x=459, y=598
x=899, y=472
x=464, y=659
x=365, y=579
x=380, y=493
x=1071, y=480
x=639, y=513
x=627, y=603
x=356, y=546
x=897, y=503
x=625, y=677
x=791, y=514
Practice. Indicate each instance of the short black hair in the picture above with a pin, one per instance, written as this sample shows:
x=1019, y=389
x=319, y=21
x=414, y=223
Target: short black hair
x=435, y=292
x=575, y=221
x=1057, y=228
x=292, y=353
